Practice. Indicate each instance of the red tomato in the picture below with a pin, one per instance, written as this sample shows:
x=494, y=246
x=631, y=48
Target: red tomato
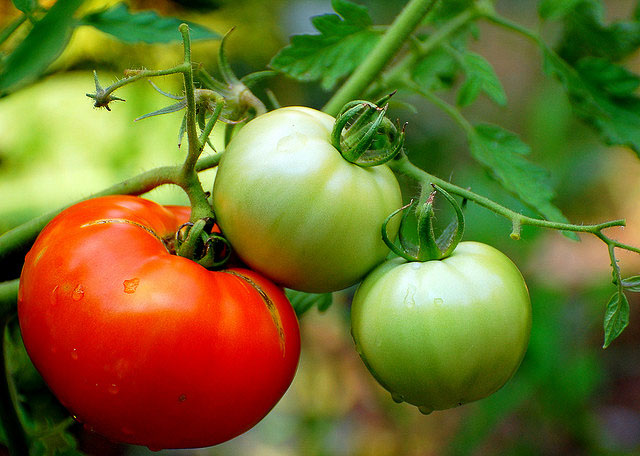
x=146, y=347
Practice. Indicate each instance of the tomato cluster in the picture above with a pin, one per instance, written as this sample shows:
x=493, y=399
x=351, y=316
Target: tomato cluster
x=147, y=347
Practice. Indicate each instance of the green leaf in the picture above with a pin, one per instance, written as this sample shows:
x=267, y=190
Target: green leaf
x=302, y=302
x=636, y=12
x=436, y=71
x=632, y=284
x=144, y=26
x=26, y=6
x=615, y=80
x=44, y=43
x=480, y=78
x=586, y=34
x=616, y=317
x=344, y=41
x=597, y=97
x=554, y=9
x=503, y=153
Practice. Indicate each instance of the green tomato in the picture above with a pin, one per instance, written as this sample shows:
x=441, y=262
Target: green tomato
x=446, y=332
x=295, y=210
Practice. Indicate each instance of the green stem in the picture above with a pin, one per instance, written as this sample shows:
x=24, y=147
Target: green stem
x=404, y=166
x=136, y=75
x=16, y=436
x=399, y=71
x=8, y=297
x=506, y=23
x=406, y=22
x=189, y=180
x=24, y=235
x=9, y=29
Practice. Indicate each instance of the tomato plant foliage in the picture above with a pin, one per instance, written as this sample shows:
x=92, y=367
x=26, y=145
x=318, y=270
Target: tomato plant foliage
x=176, y=327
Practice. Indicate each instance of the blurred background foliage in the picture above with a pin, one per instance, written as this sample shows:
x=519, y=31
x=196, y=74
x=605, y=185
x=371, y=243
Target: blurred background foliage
x=569, y=397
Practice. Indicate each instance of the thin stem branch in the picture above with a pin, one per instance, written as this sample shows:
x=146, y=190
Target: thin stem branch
x=404, y=166
x=398, y=72
x=395, y=36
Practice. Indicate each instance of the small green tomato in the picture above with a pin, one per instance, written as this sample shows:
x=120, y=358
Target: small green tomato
x=446, y=332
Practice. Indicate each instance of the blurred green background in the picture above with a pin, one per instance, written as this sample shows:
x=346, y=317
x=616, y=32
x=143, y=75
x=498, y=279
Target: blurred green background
x=569, y=397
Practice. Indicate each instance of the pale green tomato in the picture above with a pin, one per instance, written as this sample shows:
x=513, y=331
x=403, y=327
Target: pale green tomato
x=443, y=333
x=295, y=210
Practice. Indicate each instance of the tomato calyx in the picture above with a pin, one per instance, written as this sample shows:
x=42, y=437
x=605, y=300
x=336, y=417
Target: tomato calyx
x=364, y=135
x=199, y=242
x=429, y=246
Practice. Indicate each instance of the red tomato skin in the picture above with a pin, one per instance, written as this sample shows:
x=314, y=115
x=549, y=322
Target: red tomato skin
x=146, y=347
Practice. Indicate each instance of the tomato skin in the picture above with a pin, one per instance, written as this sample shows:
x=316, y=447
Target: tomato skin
x=146, y=347
x=295, y=210
x=443, y=333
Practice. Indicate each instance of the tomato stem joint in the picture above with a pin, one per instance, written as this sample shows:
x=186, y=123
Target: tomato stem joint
x=429, y=246
x=364, y=135
x=199, y=242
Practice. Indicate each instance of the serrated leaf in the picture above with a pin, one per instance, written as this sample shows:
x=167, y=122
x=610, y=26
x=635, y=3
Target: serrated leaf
x=613, y=79
x=503, y=153
x=554, y=9
x=616, y=317
x=344, y=41
x=302, y=302
x=436, y=71
x=44, y=43
x=144, y=26
x=616, y=118
x=26, y=6
x=481, y=77
x=632, y=284
x=586, y=34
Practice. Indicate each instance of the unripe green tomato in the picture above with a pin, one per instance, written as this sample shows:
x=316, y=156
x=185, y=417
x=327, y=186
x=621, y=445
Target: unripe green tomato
x=295, y=210
x=446, y=332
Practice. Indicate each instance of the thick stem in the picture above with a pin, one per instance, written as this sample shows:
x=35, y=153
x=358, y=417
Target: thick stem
x=189, y=180
x=24, y=235
x=406, y=22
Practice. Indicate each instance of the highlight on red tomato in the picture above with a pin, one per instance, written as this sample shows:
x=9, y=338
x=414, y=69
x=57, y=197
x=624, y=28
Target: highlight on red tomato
x=441, y=333
x=295, y=210
x=146, y=347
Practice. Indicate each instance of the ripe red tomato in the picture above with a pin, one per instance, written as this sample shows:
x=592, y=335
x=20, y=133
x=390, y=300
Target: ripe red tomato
x=146, y=347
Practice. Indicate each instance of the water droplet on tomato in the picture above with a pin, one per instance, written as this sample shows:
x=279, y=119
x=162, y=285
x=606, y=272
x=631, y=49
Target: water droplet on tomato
x=416, y=265
x=425, y=410
x=74, y=354
x=438, y=302
x=397, y=397
x=131, y=285
x=113, y=389
x=78, y=293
